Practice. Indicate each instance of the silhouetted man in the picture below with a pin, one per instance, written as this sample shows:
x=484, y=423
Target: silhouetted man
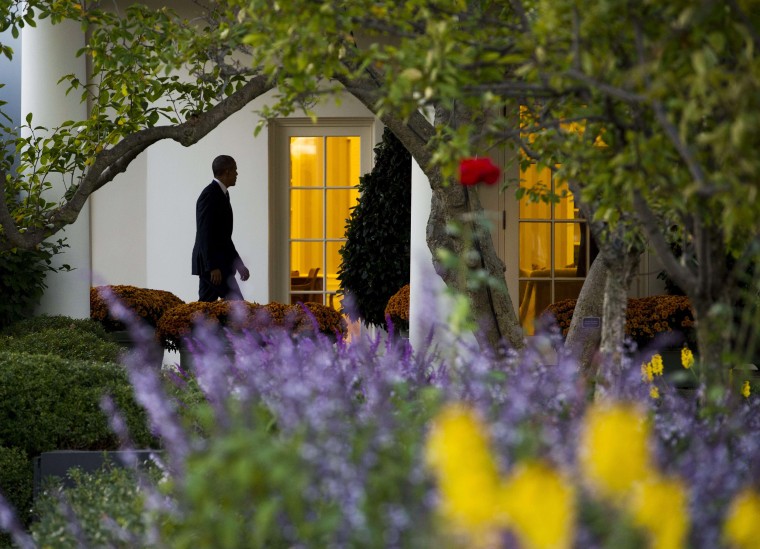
x=215, y=259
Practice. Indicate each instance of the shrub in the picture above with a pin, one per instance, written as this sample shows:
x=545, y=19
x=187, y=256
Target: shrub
x=150, y=305
x=22, y=279
x=103, y=502
x=375, y=257
x=177, y=323
x=71, y=343
x=645, y=317
x=398, y=308
x=48, y=403
x=48, y=322
x=16, y=480
x=329, y=321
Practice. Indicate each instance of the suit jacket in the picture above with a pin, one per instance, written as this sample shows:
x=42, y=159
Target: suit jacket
x=213, y=247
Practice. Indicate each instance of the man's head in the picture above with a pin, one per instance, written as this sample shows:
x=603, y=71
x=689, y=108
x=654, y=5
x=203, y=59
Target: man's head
x=225, y=170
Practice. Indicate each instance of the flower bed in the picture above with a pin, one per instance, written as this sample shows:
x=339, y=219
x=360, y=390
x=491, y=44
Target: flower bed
x=398, y=308
x=645, y=317
x=150, y=305
x=385, y=447
x=177, y=323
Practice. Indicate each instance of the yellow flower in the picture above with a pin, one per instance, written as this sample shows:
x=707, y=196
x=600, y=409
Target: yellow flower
x=457, y=451
x=687, y=358
x=654, y=392
x=740, y=529
x=657, y=366
x=540, y=506
x=614, y=448
x=660, y=506
x=646, y=372
x=652, y=368
x=746, y=389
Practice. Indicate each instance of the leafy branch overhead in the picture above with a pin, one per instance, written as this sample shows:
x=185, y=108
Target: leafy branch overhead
x=153, y=76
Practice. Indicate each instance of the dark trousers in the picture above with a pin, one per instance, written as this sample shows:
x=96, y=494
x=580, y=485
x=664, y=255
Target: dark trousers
x=228, y=289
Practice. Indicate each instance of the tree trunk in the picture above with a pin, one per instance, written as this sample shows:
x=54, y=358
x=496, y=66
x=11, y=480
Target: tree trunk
x=583, y=341
x=622, y=260
x=492, y=308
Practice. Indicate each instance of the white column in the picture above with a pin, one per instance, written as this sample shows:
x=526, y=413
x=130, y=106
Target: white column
x=427, y=304
x=47, y=53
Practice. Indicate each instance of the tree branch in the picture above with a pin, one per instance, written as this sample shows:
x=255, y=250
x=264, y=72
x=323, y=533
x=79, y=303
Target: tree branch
x=679, y=273
x=111, y=162
x=11, y=233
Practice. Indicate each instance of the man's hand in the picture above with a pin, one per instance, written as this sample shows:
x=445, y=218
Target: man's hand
x=244, y=273
x=216, y=277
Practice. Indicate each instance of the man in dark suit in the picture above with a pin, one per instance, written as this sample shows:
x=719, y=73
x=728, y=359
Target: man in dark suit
x=215, y=259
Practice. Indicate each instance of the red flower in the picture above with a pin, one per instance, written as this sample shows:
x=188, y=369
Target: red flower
x=478, y=170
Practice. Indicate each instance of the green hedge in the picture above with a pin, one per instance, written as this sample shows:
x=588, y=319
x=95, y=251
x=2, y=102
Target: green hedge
x=68, y=343
x=54, y=322
x=49, y=403
x=112, y=492
x=16, y=482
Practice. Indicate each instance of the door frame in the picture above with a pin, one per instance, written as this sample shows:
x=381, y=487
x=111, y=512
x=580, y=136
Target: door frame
x=280, y=132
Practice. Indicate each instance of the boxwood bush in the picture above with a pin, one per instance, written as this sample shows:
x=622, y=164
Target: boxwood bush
x=69, y=343
x=49, y=403
x=16, y=483
x=54, y=322
x=112, y=492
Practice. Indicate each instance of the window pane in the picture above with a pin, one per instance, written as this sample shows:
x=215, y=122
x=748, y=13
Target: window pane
x=535, y=297
x=306, y=157
x=565, y=208
x=532, y=178
x=333, y=264
x=306, y=271
x=567, y=241
x=567, y=289
x=304, y=257
x=339, y=204
x=535, y=248
x=306, y=214
x=343, y=161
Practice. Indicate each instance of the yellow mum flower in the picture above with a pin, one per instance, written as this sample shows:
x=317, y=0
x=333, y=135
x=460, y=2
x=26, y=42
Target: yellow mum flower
x=746, y=389
x=660, y=507
x=687, y=358
x=654, y=392
x=740, y=529
x=458, y=453
x=540, y=505
x=614, y=448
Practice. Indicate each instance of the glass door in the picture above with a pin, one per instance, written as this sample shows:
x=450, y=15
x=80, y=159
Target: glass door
x=315, y=189
x=324, y=176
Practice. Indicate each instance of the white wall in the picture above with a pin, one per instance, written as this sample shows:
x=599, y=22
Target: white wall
x=119, y=228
